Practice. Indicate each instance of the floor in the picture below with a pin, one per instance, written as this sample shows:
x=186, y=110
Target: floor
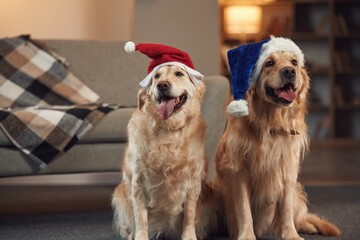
x=74, y=215
x=331, y=164
x=69, y=211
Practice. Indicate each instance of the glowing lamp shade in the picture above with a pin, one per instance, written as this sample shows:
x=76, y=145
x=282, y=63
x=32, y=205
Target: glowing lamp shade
x=242, y=19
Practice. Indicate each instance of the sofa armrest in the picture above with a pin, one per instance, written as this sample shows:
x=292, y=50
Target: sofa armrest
x=213, y=110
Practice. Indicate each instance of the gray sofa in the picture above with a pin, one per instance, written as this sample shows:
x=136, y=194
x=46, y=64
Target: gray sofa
x=114, y=75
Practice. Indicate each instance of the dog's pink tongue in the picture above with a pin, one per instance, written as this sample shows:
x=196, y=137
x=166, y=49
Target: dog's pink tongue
x=165, y=108
x=288, y=95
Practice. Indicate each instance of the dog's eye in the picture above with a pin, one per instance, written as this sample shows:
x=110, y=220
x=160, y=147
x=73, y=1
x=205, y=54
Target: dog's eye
x=294, y=62
x=157, y=76
x=179, y=74
x=269, y=63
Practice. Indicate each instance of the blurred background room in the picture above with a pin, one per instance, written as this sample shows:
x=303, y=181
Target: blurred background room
x=328, y=32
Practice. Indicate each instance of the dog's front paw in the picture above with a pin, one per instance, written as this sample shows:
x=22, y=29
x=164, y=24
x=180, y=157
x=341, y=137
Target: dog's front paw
x=249, y=235
x=189, y=234
x=291, y=236
x=141, y=235
x=189, y=238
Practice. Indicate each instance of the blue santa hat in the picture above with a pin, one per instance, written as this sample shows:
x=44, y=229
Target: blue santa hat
x=246, y=63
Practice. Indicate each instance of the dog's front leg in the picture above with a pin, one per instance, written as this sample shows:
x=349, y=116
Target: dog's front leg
x=190, y=210
x=140, y=209
x=288, y=230
x=241, y=198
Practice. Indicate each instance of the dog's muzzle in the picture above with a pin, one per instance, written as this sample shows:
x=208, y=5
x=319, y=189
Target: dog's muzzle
x=285, y=94
x=168, y=104
x=288, y=74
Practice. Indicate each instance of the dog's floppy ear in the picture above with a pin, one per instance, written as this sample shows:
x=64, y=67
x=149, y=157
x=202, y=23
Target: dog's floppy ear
x=200, y=88
x=306, y=84
x=305, y=77
x=141, y=98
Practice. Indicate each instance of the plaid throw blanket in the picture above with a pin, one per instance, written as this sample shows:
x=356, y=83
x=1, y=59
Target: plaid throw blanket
x=44, y=108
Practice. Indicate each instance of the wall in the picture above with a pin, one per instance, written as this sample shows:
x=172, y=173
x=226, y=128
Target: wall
x=192, y=26
x=67, y=19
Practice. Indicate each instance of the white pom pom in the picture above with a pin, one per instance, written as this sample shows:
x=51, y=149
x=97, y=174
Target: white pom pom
x=129, y=47
x=238, y=108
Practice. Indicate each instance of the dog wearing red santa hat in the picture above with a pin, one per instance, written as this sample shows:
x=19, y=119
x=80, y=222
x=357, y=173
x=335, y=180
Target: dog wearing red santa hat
x=163, y=193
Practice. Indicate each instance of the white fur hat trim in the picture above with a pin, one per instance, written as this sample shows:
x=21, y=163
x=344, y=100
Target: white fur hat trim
x=194, y=75
x=238, y=108
x=276, y=44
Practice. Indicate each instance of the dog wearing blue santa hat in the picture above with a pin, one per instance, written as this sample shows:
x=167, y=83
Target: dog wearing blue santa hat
x=259, y=155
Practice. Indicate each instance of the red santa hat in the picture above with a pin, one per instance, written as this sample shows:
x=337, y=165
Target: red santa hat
x=162, y=55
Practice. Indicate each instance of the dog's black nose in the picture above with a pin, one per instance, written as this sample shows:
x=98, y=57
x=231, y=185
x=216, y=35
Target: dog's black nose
x=163, y=85
x=289, y=72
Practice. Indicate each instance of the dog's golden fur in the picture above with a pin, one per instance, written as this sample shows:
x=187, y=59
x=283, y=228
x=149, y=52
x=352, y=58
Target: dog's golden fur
x=258, y=158
x=164, y=165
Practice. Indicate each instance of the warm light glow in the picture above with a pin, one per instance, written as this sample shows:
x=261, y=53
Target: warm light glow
x=67, y=19
x=243, y=19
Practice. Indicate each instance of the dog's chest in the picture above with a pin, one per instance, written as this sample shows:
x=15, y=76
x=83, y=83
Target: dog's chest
x=166, y=153
x=165, y=194
x=275, y=163
x=167, y=177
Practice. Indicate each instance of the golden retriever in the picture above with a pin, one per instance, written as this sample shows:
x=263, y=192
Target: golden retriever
x=258, y=157
x=164, y=165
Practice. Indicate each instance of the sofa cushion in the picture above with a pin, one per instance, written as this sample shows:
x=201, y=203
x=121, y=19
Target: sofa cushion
x=112, y=128
x=81, y=158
